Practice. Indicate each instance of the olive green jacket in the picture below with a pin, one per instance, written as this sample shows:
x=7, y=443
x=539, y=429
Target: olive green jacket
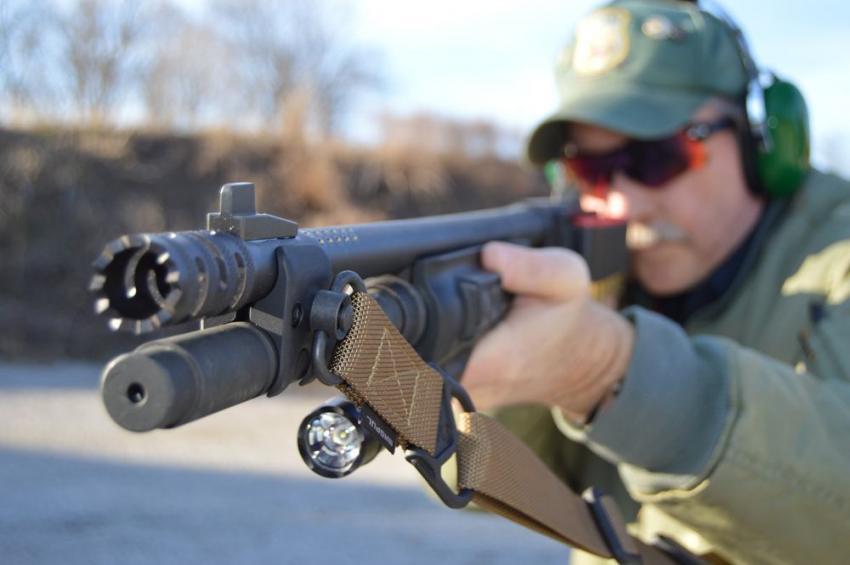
x=734, y=434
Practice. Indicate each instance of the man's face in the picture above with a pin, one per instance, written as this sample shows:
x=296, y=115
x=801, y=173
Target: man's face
x=680, y=232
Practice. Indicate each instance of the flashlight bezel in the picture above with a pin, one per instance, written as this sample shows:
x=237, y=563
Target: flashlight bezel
x=341, y=406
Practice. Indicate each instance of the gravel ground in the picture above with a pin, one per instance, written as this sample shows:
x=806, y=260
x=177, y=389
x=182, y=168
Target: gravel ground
x=76, y=489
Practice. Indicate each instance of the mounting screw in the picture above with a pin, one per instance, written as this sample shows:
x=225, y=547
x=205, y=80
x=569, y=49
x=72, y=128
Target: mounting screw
x=297, y=315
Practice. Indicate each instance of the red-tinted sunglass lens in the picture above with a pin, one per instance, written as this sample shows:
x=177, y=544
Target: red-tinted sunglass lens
x=651, y=163
x=587, y=171
x=657, y=162
x=597, y=170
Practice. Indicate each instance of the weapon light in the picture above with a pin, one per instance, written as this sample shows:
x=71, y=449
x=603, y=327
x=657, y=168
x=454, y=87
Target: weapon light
x=333, y=442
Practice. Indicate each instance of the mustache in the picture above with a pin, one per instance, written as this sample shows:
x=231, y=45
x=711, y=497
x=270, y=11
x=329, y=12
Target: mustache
x=641, y=235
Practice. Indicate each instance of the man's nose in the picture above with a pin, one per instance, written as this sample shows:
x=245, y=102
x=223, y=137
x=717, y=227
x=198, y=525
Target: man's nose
x=633, y=200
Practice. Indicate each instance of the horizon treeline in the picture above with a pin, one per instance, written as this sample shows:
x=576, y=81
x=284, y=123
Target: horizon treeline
x=294, y=69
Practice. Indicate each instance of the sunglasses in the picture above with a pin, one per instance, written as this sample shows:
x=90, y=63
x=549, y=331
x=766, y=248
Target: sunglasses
x=652, y=163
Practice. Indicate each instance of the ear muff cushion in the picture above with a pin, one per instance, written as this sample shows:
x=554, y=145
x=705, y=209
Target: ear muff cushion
x=749, y=153
x=782, y=167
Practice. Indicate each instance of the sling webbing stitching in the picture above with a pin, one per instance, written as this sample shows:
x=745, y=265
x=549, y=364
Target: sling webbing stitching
x=380, y=367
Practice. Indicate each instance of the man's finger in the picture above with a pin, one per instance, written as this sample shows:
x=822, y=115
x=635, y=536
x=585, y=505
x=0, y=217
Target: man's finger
x=550, y=273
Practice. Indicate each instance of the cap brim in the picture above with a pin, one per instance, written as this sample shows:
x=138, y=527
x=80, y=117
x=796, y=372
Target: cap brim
x=634, y=112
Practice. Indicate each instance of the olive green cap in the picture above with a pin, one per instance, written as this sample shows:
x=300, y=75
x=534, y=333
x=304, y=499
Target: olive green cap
x=641, y=68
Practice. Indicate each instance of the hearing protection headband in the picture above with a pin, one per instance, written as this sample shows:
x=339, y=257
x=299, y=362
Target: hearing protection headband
x=777, y=118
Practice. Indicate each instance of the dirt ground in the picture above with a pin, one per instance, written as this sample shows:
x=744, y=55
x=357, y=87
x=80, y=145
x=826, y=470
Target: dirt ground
x=76, y=489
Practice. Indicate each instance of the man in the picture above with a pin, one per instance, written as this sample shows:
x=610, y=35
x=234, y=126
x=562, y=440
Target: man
x=717, y=403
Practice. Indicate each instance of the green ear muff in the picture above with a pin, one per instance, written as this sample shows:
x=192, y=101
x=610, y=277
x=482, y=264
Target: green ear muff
x=778, y=119
x=783, y=160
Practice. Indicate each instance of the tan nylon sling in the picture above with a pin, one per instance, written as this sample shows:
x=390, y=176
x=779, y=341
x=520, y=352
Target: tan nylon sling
x=379, y=367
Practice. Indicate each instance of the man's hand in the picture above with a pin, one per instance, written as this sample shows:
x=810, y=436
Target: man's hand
x=557, y=346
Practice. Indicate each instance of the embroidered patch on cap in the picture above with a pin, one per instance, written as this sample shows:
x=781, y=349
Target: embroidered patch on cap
x=602, y=41
x=659, y=27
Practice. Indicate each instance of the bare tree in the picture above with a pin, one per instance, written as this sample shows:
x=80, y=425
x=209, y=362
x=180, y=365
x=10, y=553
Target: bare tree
x=258, y=34
x=286, y=49
x=249, y=63
x=25, y=85
x=185, y=81
x=99, y=40
x=336, y=70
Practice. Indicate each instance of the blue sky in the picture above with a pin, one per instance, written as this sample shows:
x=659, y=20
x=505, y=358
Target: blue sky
x=493, y=59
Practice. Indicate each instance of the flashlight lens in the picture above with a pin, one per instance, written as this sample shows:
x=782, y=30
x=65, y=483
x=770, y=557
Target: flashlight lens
x=333, y=442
